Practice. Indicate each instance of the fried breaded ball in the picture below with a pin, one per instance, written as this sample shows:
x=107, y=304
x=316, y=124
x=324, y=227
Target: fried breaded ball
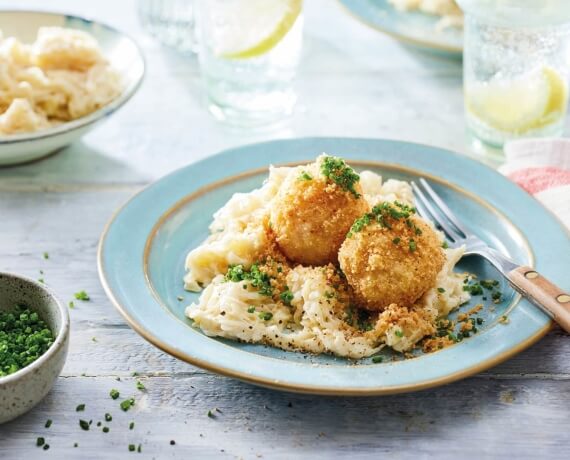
x=312, y=213
x=389, y=260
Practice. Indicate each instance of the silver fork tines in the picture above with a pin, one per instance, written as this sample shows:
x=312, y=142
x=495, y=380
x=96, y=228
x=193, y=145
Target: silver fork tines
x=432, y=210
x=543, y=293
x=432, y=207
x=443, y=207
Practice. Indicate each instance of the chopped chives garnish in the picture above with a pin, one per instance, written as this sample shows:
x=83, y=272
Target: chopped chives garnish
x=473, y=289
x=266, y=315
x=286, y=296
x=383, y=214
x=127, y=404
x=24, y=337
x=82, y=295
x=255, y=276
x=340, y=173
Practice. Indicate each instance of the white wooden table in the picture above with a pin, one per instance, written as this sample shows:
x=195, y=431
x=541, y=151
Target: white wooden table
x=353, y=82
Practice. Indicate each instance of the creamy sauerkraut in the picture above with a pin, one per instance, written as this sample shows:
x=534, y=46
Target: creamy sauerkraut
x=62, y=76
x=314, y=311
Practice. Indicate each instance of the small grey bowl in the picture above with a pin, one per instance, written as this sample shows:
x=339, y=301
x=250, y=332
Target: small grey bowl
x=22, y=390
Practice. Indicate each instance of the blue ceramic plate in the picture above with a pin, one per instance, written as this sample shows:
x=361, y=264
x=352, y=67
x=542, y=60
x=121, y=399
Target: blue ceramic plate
x=413, y=27
x=142, y=252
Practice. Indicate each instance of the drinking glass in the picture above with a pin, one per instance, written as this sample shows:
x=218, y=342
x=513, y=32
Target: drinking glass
x=515, y=68
x=170, y=21
x=249, y=52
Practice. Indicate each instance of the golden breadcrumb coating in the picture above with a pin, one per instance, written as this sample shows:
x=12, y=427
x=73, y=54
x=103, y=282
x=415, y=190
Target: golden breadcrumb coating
x=395, y=265
x=310, y=217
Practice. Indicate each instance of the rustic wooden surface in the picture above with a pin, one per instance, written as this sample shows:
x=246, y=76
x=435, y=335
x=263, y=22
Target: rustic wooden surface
x=363, y=86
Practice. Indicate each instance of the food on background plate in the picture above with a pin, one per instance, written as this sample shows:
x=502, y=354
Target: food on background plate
x=60, y=77
x=385, y=278
x=450, y=13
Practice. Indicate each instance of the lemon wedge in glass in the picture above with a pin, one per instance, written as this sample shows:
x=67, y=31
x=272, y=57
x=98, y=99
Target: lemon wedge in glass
x=519, y=105
x=250, y=28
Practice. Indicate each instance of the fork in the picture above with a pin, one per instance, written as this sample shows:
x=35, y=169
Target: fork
x=541, y=292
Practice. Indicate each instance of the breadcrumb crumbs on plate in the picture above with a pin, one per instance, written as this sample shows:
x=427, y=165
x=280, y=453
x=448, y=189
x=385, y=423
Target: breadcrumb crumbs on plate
x=436, y=343
x=504, y=319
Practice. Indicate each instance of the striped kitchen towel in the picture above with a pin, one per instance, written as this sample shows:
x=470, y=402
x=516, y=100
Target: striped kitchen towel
x=542, y=168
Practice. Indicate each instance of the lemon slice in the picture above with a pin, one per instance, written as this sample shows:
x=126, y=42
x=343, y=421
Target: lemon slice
x=243, y=29
x=558, y=94
x=518, y=106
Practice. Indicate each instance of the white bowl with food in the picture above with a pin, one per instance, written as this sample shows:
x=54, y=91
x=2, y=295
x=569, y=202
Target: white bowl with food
x=60, y=75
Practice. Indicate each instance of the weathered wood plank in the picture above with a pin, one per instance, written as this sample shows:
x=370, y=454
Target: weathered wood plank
x=119, y=351
x=68, y=225
x=477, y=418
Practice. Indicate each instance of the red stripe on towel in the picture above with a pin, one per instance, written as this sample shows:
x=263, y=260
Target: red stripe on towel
x=535, y=180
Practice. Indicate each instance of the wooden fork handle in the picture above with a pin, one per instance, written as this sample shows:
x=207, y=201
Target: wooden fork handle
x=543, y=294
